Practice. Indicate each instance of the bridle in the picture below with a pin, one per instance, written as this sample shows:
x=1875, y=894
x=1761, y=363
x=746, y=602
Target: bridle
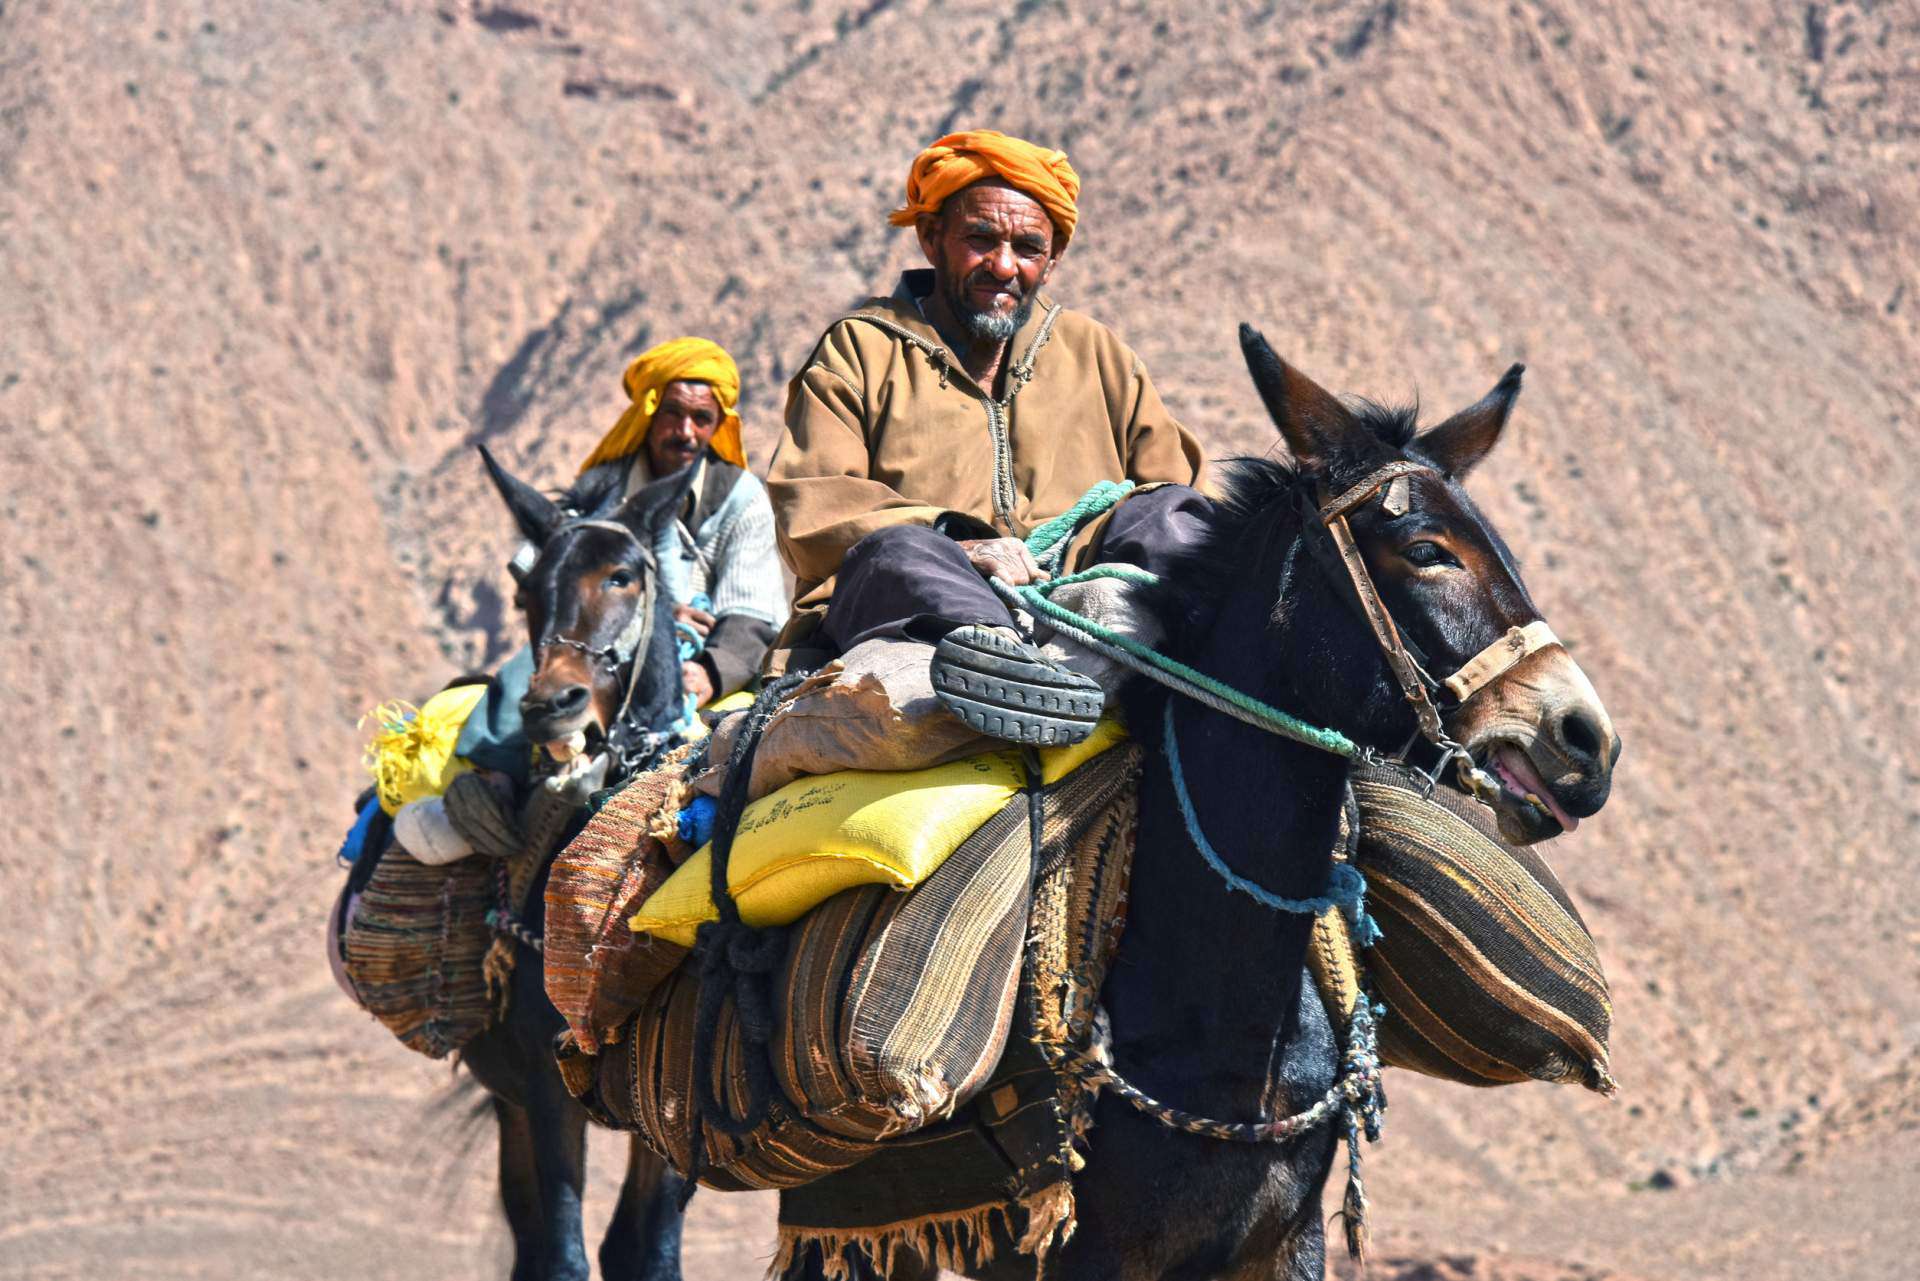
x=1404, y=658
x=630, y=745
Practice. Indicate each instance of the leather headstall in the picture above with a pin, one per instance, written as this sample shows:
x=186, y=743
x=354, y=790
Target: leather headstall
x=1403, y=657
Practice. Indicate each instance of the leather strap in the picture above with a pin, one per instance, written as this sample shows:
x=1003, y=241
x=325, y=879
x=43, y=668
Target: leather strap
x=1374, y=610
x=1496, y=659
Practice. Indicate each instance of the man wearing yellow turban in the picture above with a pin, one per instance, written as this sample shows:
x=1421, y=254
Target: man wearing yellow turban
x=719, y=562
x=931, y=430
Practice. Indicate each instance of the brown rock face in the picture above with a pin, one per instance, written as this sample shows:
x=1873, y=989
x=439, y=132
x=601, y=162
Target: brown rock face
x=268, y=270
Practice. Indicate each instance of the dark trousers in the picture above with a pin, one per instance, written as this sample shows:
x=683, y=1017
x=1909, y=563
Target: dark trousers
x=908, y=581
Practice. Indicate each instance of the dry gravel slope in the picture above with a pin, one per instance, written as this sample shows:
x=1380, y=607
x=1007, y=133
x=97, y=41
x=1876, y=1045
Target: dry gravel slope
x=267, y=271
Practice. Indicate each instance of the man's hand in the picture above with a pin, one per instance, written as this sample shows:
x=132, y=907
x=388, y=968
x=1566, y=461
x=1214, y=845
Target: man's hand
x=693, y=676
x=698, y=619
x=1006, y=559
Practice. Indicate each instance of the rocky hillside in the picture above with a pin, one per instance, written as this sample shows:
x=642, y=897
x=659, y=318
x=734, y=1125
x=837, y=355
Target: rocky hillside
x=268, y=270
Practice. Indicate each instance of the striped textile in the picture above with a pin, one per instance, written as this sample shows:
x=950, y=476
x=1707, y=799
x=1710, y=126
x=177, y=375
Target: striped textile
x=598, y=971
x=897, y=1008
x=1488, y=973
x=414, y=950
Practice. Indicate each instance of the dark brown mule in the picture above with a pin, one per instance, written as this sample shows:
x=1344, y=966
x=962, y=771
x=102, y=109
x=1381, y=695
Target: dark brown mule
x=607, y=685
x=1209, y=1004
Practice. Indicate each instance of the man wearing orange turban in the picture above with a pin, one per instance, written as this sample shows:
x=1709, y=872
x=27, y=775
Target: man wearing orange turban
x=718, y=561
x=930, y=431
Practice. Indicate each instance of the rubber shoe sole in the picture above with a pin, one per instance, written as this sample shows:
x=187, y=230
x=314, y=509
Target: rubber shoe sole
x=1007, y=689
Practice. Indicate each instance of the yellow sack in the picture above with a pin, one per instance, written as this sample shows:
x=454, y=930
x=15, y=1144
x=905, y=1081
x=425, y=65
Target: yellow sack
x=411, y=756
x=798, y=847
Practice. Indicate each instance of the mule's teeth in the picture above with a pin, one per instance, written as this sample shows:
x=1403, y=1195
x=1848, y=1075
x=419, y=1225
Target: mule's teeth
x=566, y=749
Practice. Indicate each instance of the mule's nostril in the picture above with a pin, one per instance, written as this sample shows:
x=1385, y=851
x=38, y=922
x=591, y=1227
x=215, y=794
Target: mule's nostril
x=570, y=700
x=1580, y=735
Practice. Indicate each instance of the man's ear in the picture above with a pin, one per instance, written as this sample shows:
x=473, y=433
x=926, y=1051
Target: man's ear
x=533, y=511
x=1459, y=443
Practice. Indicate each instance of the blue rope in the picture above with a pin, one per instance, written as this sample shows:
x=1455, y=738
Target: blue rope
x=1346, y=887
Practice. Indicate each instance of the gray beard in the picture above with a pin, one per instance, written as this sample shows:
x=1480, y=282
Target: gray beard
x=991, y=326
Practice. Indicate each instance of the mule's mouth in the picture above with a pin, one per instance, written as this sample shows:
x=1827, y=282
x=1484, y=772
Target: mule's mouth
x=1527, y=808
x=584, y=741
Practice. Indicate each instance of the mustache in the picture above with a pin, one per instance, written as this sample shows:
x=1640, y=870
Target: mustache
x=983, y=278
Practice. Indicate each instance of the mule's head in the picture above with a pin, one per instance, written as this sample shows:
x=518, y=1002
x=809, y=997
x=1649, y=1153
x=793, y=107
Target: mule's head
x=591, y=600
x=1452, y=590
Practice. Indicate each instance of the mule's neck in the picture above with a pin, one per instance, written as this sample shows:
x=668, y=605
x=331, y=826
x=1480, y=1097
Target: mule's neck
x=658, y=691
x=1206, y=994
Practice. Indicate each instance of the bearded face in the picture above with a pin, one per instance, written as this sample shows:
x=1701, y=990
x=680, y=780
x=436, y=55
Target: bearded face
x=991, y=247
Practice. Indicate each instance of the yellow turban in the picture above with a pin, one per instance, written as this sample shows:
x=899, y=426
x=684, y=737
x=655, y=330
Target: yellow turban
x=694, y=360
x=962, y=159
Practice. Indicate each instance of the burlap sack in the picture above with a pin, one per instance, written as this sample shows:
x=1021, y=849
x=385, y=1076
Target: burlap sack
x=873, y=709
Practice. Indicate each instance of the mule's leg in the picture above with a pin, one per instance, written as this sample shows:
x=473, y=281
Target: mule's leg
x=643, y=1241
x=559, y=1127
x=519, y=1188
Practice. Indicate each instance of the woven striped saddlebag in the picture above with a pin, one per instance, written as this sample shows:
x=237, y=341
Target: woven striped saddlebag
x=415, y=947
x=598, y=971
x=1488, y=974
x=893, y=1009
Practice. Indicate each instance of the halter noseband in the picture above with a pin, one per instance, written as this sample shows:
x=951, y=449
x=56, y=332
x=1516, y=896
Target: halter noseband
x=1403, y=659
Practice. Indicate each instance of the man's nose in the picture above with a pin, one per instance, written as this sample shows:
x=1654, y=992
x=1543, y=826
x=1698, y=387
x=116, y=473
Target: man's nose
x=1003, y=264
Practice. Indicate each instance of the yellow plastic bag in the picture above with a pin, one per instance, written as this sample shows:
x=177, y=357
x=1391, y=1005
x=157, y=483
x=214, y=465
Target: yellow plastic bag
x=411, y=755
x=804, y=843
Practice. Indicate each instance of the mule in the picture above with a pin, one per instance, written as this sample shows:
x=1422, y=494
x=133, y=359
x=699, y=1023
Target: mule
x=607, y=685
x=1210, y=1006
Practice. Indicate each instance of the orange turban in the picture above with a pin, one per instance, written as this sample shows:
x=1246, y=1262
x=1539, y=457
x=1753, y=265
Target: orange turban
x=693, y=360
x=962, y=159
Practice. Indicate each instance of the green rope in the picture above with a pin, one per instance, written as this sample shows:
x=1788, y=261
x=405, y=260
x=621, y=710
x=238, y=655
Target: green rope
x=1049, y=540
x=1054, y=535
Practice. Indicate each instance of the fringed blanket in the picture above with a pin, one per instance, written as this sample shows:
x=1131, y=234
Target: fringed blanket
x=1000, y=1173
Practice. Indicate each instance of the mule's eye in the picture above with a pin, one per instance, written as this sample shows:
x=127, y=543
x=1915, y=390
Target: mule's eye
x=619, y=579
x=1426, y=555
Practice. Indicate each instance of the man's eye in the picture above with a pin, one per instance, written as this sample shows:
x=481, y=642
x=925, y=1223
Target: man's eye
x=1427, y=555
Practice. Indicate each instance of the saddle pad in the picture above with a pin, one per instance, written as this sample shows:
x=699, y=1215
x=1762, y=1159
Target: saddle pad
x=1488, y=973
x=895, y=1007
x=815, y=837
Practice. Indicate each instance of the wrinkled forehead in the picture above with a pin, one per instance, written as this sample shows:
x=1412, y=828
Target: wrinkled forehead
x=689, y=397
x=996, y=205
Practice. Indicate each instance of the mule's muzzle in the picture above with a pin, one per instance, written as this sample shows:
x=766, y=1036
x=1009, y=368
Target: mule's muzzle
x=557, y=713
x=1542, y=732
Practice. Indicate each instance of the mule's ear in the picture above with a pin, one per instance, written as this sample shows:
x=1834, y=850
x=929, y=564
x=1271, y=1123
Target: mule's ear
x=1315, y=425
x=656, y=502
x=1459, y=443
x=532, y=510
x=597, y=491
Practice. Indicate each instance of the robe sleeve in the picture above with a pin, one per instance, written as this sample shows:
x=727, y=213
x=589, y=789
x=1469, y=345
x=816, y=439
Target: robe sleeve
x=824, y=500
x=1158, y=448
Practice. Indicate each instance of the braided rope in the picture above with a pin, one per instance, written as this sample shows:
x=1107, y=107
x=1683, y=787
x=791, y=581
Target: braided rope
x=1355, y=1093
x=504, y=922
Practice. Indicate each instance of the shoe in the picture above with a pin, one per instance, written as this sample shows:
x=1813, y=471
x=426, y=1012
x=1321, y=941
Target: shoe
x=1005, y=688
